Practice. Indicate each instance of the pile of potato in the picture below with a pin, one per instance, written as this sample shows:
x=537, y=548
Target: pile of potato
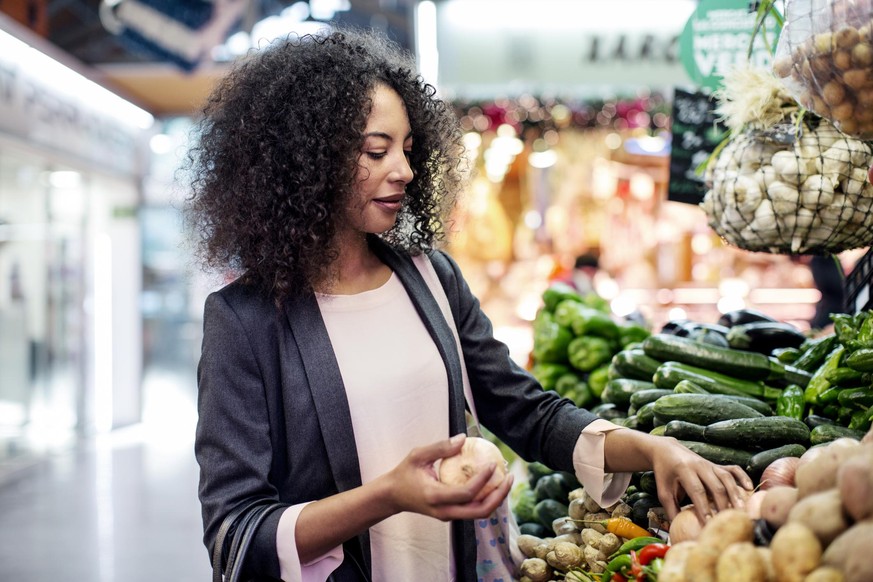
x=824, y=521
x=830, y=71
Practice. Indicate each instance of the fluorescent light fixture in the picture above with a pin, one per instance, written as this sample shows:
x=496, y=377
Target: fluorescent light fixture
x=47, y=70
x=102, y=306
x=63, y=179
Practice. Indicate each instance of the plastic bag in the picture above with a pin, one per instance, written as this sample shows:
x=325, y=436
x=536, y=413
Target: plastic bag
x=825, y=57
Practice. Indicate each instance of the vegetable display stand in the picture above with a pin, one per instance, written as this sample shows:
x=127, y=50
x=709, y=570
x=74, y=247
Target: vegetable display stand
x=786, y=181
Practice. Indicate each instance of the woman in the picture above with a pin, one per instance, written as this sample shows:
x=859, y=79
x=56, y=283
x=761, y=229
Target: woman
x=329, y=379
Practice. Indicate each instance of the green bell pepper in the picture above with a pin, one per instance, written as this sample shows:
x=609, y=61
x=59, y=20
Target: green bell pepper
x=791, y=402
x=575, y=388
x=568, y=311
x=596, y=323
x=588, y=352
x=819, y=383
x=631, y=333
x=598, y=379
x=597, y=302
x=550, y=342
x=547, y=374
x=844, y=327
x=557, y=292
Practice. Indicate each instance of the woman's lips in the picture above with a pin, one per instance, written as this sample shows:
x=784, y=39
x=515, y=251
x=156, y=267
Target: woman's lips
x=389, y=203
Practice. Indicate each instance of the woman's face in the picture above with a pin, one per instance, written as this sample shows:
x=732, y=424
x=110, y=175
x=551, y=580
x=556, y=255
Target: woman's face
x=383, y=165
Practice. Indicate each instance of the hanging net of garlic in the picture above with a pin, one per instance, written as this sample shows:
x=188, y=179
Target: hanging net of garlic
x=786, y=181
x=825, y=57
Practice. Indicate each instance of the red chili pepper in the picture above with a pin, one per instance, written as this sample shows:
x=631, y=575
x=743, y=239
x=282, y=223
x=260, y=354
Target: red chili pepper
x=652, y=551
x=618, y=578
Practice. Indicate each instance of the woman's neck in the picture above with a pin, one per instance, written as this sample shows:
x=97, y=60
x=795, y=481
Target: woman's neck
x=355, y=270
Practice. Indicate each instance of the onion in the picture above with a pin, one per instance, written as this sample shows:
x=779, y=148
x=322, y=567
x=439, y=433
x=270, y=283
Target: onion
x=475, y=456
x=780, y=472
x=685, y=526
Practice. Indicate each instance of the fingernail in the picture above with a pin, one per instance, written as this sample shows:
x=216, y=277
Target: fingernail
x=457, y=438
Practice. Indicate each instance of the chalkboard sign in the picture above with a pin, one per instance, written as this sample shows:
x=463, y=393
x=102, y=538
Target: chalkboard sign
x=696, y=133
x=859, y=284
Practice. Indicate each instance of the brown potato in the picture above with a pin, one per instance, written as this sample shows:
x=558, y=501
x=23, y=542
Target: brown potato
x=701, y=562
x=851, y=552
x=766, y=556
x=833, y=93
x=822, y=513
x=783, y=65
x=856, y=78
x=855, y=482
x=847, y=37
x=820, y=473
x=740, y=562
x=822, y=43
x=843, y=111
x=842, y=59
x=727, y=527
x=673, y=568
x=777, y=504
x=825, y=574
x=796, y=552
x=862, y=54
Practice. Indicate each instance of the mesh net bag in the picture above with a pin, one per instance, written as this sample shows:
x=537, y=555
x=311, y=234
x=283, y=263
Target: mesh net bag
x=825, y=57
x=786, y=181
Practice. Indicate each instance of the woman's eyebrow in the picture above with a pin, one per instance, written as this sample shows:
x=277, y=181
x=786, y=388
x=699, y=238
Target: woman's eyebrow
x=384, y=135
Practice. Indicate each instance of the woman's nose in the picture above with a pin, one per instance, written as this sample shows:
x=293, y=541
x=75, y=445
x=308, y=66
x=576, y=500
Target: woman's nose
x=404, y=169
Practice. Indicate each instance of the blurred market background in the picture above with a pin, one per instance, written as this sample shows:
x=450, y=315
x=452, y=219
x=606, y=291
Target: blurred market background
x=585, y=121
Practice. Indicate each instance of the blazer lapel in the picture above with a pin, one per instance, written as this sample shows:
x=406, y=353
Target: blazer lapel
x=328, y=391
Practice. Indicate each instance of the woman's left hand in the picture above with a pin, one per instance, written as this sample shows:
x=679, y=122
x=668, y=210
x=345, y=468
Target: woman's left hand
x=680, y=472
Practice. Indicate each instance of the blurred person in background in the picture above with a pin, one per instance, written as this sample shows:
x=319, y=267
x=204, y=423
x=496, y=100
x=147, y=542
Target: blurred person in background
x=830, y=280
x=330, y=380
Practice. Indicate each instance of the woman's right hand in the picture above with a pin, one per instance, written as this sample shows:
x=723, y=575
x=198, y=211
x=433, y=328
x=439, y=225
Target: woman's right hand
x=414, y=485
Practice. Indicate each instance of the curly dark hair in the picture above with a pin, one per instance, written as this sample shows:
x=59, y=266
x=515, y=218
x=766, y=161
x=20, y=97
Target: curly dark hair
x=276, y=151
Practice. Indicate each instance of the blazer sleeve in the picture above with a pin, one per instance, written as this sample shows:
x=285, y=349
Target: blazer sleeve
x=232, y=443
x=536, y=424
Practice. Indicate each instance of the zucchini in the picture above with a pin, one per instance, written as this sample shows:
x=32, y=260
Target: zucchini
x=718, y=454
x=825, y=433
x=762, y=460
x=684, y=430
x=754, y=403
x=765, y=336
x=643, y=397
x=757, y=434
x=860, y=360
x=671, y=373
x=619, y=391
x=700, y=408
x=635, y=364
x=737, y=363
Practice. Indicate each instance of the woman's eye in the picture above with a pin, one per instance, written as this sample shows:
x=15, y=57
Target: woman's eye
x=376, y=155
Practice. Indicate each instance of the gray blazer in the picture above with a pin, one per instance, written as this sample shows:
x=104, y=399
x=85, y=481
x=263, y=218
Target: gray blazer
x=274, y=421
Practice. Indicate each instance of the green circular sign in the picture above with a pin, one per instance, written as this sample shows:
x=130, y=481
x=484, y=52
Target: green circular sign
x=716, y=38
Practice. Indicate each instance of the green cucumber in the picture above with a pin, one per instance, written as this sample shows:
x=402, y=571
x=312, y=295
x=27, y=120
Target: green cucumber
x=700, y=408
x=738, y=363
x=646, y=416
x=825, y=433
x=635, y=364
x=669, y=374
x=786, y=355
x=684, y=430
x=718, y=454
x=643, y=397
x=658, y=430
x=814, y=352
x=608, y=411
x=797, y=376
x=814, y=420
x=757, y=434
x=762, y=460
x=619, y=391
x=689, y=387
